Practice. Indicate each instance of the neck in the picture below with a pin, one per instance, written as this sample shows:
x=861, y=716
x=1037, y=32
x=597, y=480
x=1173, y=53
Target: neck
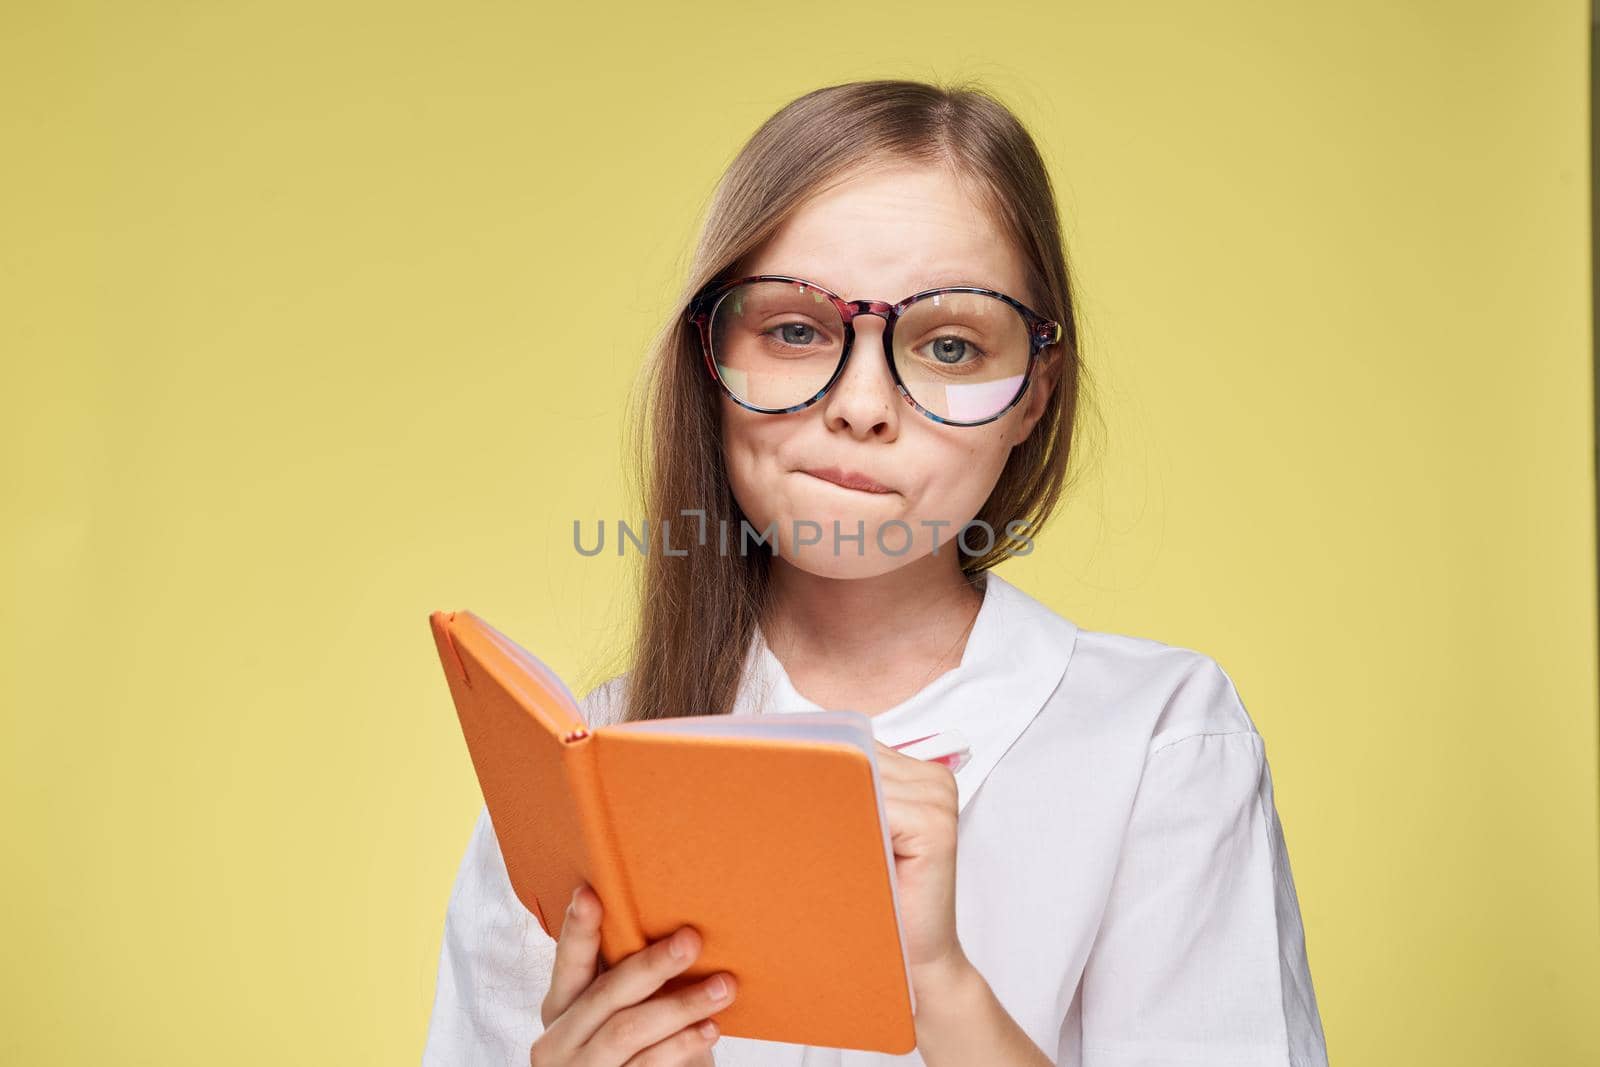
x=918, y=614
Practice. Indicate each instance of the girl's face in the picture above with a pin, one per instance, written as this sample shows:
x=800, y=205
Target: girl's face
x=879, y=236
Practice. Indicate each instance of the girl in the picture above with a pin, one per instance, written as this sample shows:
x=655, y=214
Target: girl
x=874, y=382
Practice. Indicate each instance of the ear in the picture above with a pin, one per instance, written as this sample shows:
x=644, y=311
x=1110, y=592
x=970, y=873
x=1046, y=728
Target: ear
x=1039, y=391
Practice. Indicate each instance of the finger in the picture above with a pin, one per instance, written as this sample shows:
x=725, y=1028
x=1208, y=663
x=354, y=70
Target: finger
x=892, y=765
x=920, y=808
x=674, y=1025
x=633, y=980
x=686, y=1048
x=909, y=777
x=577, y=959
x=891, y=755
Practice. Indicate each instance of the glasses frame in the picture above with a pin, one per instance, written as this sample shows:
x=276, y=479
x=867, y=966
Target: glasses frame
x=1042, y=332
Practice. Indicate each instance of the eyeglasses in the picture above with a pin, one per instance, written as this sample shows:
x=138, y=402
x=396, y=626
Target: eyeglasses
x=961, y=355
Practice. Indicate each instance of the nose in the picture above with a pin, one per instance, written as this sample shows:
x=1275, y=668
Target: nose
x=862, y=401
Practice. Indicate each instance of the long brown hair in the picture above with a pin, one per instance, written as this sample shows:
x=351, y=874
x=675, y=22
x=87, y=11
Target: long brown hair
x=698, y=612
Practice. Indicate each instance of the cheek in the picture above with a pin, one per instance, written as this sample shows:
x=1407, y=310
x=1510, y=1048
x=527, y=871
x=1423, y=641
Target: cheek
x=747, y=454
x=963, y=466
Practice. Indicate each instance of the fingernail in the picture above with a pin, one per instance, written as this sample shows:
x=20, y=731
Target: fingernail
x=717, y=988
x=708, y=1029
x=680, y=945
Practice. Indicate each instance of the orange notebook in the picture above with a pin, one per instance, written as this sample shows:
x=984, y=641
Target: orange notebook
x=765, y=832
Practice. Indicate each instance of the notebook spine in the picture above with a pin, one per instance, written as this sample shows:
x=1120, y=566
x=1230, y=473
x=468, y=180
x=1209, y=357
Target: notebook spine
x=620, y=931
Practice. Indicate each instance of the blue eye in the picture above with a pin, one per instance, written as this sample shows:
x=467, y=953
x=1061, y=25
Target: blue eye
x=805, y=337
x=951, y=351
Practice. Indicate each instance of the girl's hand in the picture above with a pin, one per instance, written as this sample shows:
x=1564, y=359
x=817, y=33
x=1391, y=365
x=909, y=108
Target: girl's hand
x=920, y=802
x=596, y=1016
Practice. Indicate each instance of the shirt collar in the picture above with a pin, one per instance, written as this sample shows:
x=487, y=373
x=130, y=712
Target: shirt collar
x=1016, y=656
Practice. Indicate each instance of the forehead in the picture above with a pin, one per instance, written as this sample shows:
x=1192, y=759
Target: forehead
x=886, y=234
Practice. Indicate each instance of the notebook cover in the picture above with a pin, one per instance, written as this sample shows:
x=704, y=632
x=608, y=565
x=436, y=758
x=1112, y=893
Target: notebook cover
x=773, y=850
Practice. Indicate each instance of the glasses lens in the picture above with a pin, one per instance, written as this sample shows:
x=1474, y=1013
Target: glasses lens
x=962, y=356
x=775, y=344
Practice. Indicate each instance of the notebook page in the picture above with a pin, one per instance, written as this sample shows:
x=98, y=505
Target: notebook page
x=534, y=666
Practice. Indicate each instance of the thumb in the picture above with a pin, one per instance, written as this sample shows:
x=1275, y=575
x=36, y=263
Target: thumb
x=577, y=959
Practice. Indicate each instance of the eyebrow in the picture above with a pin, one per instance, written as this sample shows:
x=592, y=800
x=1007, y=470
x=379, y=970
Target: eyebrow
x=940, y=279
x=933, y=280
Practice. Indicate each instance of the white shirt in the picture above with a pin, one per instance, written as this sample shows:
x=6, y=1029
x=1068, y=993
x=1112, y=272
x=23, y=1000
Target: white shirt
x=1121, y=876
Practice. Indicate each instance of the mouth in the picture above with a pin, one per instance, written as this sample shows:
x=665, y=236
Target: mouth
x=847, y=479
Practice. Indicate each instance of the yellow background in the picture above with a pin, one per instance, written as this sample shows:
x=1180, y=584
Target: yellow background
x=319, y=317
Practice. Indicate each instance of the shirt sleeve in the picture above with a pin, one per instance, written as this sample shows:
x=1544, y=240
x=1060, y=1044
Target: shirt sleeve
x=1200, y=960
x=495, y=959
x=494, y=966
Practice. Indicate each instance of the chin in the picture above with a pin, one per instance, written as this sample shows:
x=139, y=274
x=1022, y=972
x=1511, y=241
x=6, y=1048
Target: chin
x=819, y=560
